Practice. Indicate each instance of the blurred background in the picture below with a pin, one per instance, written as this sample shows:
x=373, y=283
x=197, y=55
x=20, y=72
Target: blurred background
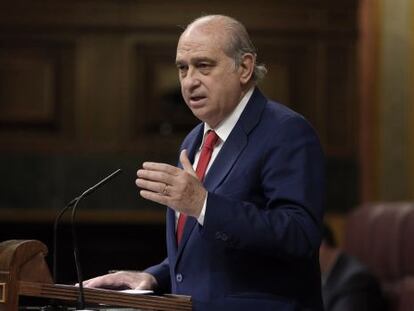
x=87, y=87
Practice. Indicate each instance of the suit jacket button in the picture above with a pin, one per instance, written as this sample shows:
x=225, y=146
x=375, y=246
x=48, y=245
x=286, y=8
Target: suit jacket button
x=179, y=277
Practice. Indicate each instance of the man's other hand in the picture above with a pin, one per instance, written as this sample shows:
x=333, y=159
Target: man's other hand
x=122, y=280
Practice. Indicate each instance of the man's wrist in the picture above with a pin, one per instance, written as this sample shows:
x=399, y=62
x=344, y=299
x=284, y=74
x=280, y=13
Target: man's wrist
x=153, y=283
x=200, y=218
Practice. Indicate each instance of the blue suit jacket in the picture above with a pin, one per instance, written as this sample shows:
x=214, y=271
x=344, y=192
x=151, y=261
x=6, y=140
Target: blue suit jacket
x=258, y=247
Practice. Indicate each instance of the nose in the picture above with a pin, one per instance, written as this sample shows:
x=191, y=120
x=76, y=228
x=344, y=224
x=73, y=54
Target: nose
x=191, y=80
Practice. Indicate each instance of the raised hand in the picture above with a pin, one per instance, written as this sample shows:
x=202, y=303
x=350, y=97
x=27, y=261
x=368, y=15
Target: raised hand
x=177, y=188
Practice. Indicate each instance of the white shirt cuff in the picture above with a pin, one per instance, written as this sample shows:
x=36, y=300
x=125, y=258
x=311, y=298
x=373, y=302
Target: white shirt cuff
x=200, y=218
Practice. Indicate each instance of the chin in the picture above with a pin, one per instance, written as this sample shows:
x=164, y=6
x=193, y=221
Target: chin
x=199, y=114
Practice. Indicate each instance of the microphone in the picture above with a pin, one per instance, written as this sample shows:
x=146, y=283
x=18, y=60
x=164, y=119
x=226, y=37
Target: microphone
x=81, y=298
x=74, y=203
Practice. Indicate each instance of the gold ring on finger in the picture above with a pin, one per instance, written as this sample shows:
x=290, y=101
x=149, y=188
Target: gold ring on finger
x=165, y=190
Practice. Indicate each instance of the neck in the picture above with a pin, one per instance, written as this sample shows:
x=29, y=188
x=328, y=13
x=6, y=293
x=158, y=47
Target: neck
x=245, y=88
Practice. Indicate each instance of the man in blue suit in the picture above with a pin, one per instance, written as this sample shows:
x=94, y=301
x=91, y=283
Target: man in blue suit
x=253, y=220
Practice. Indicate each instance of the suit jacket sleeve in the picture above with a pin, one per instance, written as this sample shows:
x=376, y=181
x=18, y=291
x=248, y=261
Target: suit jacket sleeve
x=161, y=272
x=277, y=207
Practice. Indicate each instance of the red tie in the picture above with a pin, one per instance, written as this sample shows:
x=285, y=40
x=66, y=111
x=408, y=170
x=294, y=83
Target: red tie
x=205, y=156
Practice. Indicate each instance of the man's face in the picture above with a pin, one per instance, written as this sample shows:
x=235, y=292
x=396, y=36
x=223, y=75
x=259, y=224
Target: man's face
x=210, y=83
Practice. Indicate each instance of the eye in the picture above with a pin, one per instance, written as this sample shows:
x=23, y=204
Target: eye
x=182, y=69
x=204, y=67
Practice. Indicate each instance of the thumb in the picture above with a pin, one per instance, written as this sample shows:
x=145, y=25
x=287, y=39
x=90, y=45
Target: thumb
x=185, y=162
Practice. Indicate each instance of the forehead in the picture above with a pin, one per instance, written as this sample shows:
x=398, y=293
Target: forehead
x=196, y=43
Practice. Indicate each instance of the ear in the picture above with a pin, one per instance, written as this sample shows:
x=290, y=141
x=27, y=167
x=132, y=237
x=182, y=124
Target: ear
x=246, y=67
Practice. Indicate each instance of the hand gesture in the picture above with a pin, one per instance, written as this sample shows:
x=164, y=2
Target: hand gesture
x=177, y=188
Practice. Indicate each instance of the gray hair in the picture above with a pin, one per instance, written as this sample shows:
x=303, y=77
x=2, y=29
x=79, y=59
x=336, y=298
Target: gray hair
x=239, y=43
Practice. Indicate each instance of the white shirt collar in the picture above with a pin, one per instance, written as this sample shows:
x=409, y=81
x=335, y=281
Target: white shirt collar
x=225, y=127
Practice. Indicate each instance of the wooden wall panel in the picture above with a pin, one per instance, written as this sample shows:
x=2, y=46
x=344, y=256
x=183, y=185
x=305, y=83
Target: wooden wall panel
x=28, y=91
x=341, y=104
x=105, y=83
x=36, y=92
x=309, y=16
x=125, y=88
x=160, y=107
x=30, y=85
x=411, y=108
x=394, y=101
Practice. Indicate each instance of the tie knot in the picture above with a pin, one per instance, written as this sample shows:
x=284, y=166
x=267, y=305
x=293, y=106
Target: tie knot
x=211, y=140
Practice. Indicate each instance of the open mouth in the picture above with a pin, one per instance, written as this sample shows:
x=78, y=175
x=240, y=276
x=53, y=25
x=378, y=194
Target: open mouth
x=195, y=100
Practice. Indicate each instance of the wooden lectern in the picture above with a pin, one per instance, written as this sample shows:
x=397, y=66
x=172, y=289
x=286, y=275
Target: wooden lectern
x=24, y=272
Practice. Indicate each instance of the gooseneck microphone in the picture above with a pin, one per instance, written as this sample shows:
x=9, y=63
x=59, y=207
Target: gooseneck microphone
x=74, y=203
x=81, y=298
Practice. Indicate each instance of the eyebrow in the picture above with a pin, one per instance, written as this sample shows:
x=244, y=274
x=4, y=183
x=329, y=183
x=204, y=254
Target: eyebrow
x=196, y=60
x=179, y=63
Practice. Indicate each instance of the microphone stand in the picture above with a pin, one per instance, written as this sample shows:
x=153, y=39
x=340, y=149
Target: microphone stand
x=74, y=203
x=55, y=232
x=53, y=303
x=81, y=297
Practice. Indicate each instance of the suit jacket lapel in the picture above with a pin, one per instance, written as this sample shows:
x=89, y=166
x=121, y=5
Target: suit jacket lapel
x=226, y=158
x=188, y=228
x=171, y=236
x=193, y=142
x=236, y=141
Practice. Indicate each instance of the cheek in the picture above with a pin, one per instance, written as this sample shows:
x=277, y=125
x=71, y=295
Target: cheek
x=225, y=89
x=183, y=91
x=216, y=87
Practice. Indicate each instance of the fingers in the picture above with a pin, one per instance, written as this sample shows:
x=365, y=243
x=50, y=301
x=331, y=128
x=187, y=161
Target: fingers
x=151, y=185
x=177, y=188
x=104, y=281
x=185, y=162
x=155, y=197
x=156, y=176
x=123, y=279
x=154, y=180
x=161, y=170
x=160, y=167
